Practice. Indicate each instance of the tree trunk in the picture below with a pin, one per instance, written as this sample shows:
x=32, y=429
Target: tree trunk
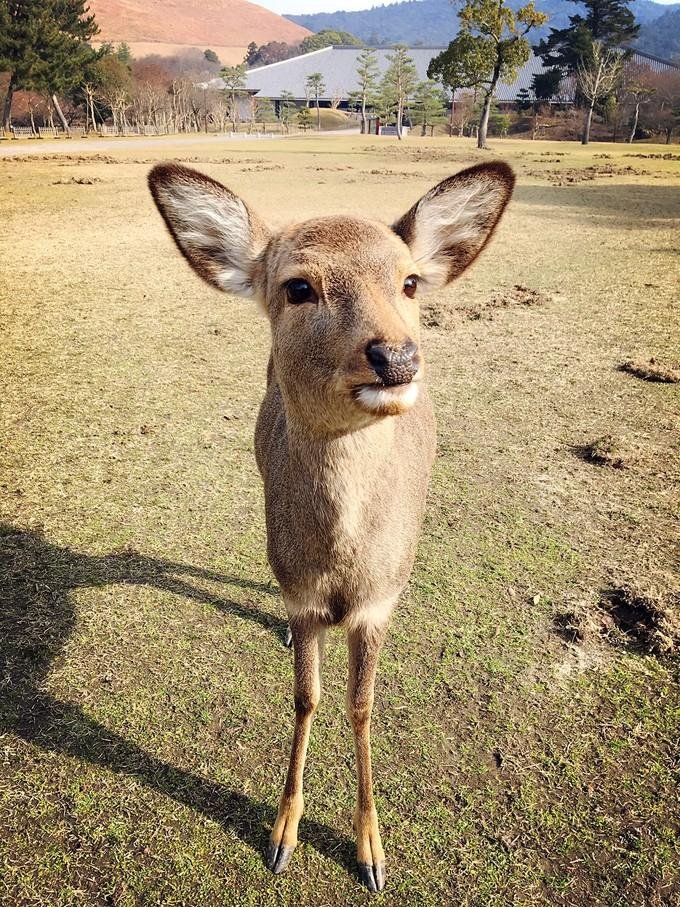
x=453, y=107
x=585, y=137
x=635, y=122
x=399, y=116
x=364, y=124
x=486, y=110
x=60, y=113
x=318, y=115
x=7, y=109
x=484, y=121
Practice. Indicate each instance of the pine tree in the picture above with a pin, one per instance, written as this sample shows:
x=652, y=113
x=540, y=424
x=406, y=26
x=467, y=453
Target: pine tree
x=43, y=47
x=428, y=104
x=234, y=78
x=399, y=83
x=367, y=79
x=316, y=86
x=608, y=22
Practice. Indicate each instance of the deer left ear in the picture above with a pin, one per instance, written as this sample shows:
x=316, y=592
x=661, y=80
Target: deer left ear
x=450, y=225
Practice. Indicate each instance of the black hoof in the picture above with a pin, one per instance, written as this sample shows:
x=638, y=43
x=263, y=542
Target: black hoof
x=372, y=876
x=278, y=857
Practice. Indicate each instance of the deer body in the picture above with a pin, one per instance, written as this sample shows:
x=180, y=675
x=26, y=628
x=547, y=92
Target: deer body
x=345, y=435
x=343, y=513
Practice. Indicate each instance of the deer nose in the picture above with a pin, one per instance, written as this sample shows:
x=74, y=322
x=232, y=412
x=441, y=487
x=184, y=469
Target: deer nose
x=393, y=366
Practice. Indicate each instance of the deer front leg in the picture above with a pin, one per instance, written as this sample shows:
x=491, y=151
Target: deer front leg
x=307, y=646
x=364, y=648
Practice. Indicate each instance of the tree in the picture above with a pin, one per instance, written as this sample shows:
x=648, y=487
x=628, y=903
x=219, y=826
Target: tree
x=212, y=57
x=234, y=78
x=263, y=111
x=609, y=22
x=286, y=108
x=503, y=32
x=545, y=85
x=595, y=79
x=398, y=83
x=326, y=38
x=466, y=63
x=429, y=105
x=251, y=56
x=367, y=79
x=271, y=52
x=43, y=47
x=304, y=118
x=662, y=114
x=315, y=86
x=639, y=91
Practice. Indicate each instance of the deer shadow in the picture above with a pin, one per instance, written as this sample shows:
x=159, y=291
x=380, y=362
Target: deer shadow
x=37, y=616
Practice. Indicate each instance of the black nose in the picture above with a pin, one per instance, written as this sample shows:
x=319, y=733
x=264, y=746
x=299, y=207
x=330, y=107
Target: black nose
x=393, y=366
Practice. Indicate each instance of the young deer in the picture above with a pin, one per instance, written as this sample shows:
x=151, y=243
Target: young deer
x=345, y=435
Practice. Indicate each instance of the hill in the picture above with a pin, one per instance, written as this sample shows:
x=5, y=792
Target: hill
x=434, y=21
x=662, y=36
x=170, y=26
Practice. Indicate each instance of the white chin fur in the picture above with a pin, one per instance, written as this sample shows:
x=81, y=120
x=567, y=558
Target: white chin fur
x=389, y=401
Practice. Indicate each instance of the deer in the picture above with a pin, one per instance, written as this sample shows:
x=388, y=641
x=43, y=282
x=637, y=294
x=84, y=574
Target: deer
x=345, y=436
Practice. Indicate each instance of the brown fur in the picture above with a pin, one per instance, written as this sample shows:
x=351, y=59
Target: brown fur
x=345, y=459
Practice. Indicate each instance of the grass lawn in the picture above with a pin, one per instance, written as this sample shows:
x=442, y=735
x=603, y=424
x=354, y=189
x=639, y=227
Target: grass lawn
x=526, y=723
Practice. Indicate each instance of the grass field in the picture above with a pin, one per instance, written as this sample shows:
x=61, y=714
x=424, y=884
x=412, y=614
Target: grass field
x=526, y=723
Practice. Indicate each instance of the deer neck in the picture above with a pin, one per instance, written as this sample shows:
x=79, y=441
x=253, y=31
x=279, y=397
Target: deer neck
x=340, y=474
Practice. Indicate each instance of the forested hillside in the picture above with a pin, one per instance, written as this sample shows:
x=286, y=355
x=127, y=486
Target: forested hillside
x=662, y=36
x=434, y=22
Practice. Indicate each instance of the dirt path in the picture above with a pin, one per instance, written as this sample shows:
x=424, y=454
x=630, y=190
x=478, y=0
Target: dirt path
x=96, y=144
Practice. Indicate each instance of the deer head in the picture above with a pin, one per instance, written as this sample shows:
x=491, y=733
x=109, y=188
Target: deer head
x=341, y=293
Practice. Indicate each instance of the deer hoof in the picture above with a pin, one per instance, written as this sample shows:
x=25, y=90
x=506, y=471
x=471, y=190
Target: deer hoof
x=372, y=875
x=278, y=856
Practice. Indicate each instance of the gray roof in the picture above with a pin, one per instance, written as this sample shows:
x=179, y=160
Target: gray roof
x=338, y=65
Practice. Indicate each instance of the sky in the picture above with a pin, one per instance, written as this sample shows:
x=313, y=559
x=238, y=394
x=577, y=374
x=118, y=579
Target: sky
x=331, y=6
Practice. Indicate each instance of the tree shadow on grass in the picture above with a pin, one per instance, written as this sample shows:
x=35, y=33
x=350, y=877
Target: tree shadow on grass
x=37, y=616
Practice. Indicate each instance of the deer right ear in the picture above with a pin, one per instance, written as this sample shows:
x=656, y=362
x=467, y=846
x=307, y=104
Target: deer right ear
x=450, y=225
x=214, y=229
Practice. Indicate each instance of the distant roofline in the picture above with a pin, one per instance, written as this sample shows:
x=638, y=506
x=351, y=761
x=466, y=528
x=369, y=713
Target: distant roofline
x=321, y=50
x=642, y=53
x=312, y=53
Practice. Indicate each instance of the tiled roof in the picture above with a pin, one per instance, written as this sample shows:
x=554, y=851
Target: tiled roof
x=338, y=66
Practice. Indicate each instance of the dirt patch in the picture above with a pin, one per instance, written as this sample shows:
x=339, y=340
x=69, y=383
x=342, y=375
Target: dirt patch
x=616, y=453
x=652, y=370
x=667, y=156
x=435, y=315
x=573, y=175
x=646, y=617
x=78, y=181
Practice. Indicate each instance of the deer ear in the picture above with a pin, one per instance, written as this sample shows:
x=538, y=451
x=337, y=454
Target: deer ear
x=214, y=229
x=450, y=225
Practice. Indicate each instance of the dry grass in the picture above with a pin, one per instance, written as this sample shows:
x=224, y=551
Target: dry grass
x=145, y=695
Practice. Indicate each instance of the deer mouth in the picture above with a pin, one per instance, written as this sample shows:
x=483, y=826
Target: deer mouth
x=386, y=399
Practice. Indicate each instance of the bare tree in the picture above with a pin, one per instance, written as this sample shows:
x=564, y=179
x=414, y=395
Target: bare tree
x=640, y=92
x=595, y=79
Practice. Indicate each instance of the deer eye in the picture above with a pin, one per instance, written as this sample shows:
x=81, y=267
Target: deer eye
x=411, y=285
x=300, y=291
